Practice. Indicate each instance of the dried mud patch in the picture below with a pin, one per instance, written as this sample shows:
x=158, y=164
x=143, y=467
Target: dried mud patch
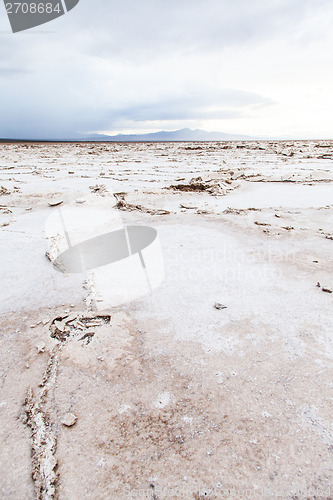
x=152, y=421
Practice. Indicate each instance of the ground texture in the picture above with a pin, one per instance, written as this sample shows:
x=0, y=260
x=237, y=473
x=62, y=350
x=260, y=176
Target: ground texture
x=218, y=384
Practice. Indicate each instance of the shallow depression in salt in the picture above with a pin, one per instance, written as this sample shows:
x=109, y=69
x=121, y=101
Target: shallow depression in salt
x=278, y=194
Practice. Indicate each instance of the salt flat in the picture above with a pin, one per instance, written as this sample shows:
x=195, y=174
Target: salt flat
x=173, y=398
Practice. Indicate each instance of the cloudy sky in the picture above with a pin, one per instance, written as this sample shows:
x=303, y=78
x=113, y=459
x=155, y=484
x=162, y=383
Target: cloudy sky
x=255, y=67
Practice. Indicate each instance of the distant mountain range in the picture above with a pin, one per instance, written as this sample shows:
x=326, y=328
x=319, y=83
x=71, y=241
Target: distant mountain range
x=185, y=134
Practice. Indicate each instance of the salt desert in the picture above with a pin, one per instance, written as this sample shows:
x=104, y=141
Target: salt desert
x=218, y=382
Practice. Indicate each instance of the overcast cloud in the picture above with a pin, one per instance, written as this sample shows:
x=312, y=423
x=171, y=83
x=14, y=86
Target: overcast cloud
x=250, y=67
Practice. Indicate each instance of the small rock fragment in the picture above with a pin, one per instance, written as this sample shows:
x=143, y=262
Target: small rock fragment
x=55, y=203
x=69, y=420
x=100, y=189
x=71, y=317
x=40, y=347
x=88, y=337
x=219, y=306
x=203, y=212
x=4, y=190
x=61, y=325
x=257, y=223
x=188, y=207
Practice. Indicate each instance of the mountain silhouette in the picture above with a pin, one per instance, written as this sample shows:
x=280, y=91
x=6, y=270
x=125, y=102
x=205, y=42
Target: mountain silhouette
x=185, y=134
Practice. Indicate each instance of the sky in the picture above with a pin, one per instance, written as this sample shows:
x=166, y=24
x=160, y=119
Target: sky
x=263, y=68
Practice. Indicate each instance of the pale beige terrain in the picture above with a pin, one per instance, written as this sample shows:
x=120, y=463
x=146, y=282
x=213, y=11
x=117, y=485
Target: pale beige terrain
x=167, y=396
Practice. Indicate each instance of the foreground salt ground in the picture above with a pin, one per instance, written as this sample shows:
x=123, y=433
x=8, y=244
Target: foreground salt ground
x=172, y=398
